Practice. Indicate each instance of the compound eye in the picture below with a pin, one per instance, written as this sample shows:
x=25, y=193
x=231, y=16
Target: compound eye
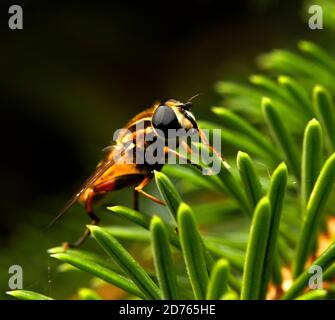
x=164, y=119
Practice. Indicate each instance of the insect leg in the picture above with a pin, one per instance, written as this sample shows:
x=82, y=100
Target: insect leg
x=140, y=187
x=179, y=156
x=204, y=140
x=136, y=200
x=186, y=146
x=95, y=221
x=106, y=186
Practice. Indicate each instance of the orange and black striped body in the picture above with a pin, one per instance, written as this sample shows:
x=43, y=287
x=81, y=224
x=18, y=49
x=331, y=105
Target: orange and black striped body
x=125, y=172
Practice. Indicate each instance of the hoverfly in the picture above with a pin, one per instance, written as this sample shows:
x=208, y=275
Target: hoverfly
x=111, y=175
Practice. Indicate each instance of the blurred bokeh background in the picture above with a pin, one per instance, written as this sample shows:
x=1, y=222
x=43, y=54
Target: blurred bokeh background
x=77, y=72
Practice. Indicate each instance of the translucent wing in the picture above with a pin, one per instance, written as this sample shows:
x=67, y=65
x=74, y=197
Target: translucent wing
x=105, y=165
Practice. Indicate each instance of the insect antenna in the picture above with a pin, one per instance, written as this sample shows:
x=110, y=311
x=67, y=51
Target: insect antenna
x=193, y=97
